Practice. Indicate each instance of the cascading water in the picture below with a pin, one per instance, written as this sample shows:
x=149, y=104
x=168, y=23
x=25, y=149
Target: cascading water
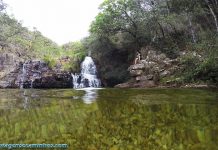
x=88, y=76
x=76, y=80
x=23, y=78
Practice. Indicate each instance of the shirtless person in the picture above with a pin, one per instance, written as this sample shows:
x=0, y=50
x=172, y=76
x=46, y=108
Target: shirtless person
x=138, y=57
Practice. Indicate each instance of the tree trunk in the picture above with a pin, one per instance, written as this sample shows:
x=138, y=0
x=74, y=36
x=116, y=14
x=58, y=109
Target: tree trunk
x=168, y=7
x=194, y=40
x=161, y=29
x=213, y=14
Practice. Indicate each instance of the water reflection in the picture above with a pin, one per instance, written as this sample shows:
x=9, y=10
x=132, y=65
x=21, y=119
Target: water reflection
x=26, y=99
x=26, y=103
x=91, y=95
x=117, y=118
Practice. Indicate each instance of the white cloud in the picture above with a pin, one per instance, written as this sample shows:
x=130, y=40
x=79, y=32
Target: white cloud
x=59, y=20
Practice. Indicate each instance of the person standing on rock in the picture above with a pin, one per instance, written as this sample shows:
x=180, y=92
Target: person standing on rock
x=138, y=57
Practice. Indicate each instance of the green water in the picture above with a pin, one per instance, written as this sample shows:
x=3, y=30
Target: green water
x=113, y=119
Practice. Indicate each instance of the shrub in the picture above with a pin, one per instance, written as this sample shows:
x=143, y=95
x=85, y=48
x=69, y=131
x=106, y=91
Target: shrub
x=50, y=61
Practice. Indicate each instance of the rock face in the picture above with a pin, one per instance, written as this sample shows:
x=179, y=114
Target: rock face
x=9, y=70
x=148, y=71
x=36, y=74
x=31, y=74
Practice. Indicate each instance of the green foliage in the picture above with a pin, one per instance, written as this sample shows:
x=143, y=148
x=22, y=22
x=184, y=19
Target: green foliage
x=50, y=61
x=76, y=51
x=205, y=71
x=9, y=28
x=169, y=26
x=120, y=29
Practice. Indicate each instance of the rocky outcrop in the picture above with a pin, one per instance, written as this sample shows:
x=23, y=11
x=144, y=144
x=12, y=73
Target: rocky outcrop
x=148, y=71
x=36, y=74
x=9, y=70
x=31, y=74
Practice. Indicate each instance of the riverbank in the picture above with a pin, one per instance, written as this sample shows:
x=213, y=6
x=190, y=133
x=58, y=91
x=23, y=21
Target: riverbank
x=151, y=85
x=156, y=70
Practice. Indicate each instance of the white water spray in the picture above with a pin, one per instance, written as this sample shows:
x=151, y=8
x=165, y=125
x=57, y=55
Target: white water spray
x=88, y=76
x=23, y=78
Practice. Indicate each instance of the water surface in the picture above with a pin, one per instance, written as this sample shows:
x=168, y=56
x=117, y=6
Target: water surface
x=111, y=118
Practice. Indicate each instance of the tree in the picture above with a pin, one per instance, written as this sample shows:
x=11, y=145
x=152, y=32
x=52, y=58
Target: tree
x=212, y=5
x=126, y=16
x=9, y=28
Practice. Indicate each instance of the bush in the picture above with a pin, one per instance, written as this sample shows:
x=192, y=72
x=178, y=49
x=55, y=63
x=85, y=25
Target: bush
x=51, y=62
x=207, y=71
x=197, y=70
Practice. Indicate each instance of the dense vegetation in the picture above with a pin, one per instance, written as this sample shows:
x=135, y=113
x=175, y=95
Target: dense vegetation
x=123, y=27
x=170, y=26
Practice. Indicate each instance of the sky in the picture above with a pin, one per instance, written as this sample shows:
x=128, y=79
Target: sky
x=60, y=20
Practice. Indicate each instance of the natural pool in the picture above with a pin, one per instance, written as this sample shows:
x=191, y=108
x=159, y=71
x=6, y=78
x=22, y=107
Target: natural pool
x=112, y=119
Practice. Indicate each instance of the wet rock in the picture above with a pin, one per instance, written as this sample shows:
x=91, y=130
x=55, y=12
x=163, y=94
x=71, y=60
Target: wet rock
x=123, y=85
x=86, y=82
x=60, y=80
x=34, y=74
x=144, y=84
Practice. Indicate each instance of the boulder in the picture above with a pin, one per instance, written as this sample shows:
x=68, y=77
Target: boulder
x=144, y=78
x=161, y=57
x=152, y=55
x=135, y=73
x=151, y=68
x=164, y=73
x=149, y=64
x=140, y=66
x=56, y=80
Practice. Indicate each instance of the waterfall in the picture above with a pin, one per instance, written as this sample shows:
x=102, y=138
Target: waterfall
x=88, y=75
x=76, y=82
x=23, y=78
x=31, y=85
